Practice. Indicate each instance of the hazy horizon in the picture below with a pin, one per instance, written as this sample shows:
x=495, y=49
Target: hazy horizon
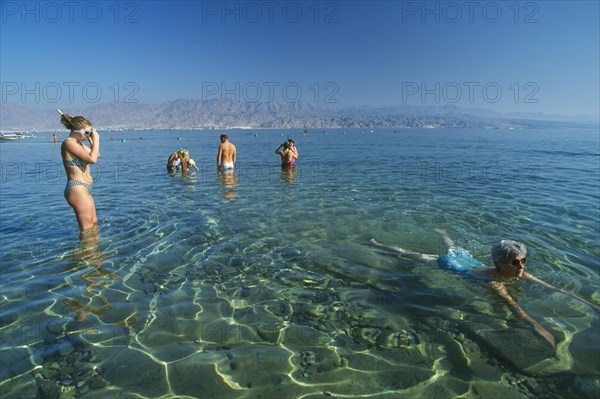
x=326, y=107
x=517, y=57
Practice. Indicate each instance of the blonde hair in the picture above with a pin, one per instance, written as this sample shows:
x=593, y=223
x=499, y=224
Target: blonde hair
x=74, y=123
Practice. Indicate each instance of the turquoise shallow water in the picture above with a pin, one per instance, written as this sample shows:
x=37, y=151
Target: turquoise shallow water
x=262, y=283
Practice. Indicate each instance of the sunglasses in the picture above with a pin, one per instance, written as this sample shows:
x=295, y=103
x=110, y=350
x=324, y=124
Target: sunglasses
x=84, y=132
x=517, y=262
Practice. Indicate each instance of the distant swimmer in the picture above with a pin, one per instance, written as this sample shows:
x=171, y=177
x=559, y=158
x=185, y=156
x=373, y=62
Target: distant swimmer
x=54, y=138
x=226, y=154
x=76, y=158
x=509, y=259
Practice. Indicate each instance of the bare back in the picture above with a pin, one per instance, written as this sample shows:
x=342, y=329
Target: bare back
x=286, y=156
x=227, y=153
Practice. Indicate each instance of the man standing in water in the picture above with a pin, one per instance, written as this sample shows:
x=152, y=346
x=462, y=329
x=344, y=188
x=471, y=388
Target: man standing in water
x=226, y=154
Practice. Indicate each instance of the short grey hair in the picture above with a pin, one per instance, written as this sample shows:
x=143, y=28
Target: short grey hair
x=507, y=251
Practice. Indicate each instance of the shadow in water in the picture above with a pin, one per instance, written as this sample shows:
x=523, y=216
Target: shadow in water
x=228, y=181
x=87, y=254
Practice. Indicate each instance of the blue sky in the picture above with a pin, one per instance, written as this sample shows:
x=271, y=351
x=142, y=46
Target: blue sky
x=530, y=56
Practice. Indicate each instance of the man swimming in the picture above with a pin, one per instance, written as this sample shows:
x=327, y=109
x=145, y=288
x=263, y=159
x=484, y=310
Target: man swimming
x=509, y=259
x=226, y=154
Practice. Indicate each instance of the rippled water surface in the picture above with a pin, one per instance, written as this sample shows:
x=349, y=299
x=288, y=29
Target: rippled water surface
x=262, y=283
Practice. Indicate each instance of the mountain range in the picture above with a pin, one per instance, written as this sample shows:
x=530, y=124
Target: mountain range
x=223, y=114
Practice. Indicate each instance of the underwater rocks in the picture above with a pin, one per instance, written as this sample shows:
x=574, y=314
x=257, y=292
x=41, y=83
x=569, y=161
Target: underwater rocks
x=68, y=372
x=523, y=350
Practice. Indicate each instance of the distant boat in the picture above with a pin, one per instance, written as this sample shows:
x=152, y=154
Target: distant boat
x=8, y=136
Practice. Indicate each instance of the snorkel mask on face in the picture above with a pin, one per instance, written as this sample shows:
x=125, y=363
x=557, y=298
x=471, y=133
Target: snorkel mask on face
x=86, y=133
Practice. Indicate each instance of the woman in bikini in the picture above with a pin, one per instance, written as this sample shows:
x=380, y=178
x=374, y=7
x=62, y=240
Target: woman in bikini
x=76, y=159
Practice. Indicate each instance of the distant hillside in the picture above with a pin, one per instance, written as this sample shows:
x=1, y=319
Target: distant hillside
x=197, y=114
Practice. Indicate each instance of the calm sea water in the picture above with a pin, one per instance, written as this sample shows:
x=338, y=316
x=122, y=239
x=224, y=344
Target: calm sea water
x=262, y=282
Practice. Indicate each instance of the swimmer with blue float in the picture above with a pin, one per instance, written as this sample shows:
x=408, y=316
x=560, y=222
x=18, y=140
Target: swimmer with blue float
x=509, y=259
